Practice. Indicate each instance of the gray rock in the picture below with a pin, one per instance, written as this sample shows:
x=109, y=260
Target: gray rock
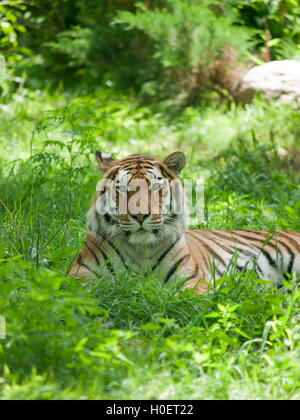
x=277, y=79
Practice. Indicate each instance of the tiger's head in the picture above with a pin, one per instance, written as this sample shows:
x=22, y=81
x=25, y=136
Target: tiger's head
x=140, y=199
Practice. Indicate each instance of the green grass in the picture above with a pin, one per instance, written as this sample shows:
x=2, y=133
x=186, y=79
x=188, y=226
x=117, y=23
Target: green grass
x=137, y=338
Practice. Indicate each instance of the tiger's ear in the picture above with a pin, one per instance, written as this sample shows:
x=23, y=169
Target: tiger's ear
x=104, y=161
x=175, y=161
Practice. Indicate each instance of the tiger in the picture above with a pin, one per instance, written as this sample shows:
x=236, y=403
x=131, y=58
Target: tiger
x=155, y=238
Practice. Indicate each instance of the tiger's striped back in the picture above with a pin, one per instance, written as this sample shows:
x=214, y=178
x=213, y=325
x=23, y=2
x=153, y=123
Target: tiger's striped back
x=271, y=255
x=200, y=255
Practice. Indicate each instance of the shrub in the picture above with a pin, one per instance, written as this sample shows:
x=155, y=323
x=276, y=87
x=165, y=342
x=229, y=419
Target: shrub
x=188, y=39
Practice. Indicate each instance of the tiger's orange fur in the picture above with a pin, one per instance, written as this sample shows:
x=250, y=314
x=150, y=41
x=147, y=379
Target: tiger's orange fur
x=160, y=244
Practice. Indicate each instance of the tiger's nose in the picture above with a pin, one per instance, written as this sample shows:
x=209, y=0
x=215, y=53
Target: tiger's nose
x=139, y=217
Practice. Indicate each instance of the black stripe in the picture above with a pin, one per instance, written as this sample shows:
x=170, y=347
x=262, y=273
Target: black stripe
x=86, y=266
x=258, y=239
x=195, y=273
x=175, y=267
x=282, y=243
x=240, y=269
x=265, y=253
x=148, y=166
x=286, y=235
x=261, y=246
x=262, y=243
x=104, y=256
x=234, y=240
x=78, y=261
x=93, y=253
x=108, y=263
x=134, y=161
x=164, y=254
x=290, y=268
x=112, y=173
x=257, y=269
x=221, y=234
x=258, y=233
x=144, y=165
x=115, y=249
x=138, y=158
x=166, y=172
x=95, y=243
x=228, y=248
x=261, y=250
x=231, y=251
x=90, y=269
x=268, y=257
x=207, y=266
x=210, y=250
x=130, y=168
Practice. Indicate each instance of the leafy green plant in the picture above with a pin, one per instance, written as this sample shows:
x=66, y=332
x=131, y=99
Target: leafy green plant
x=10, y=12
x=11, y=52
x=279, y=24
x=187, y=39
